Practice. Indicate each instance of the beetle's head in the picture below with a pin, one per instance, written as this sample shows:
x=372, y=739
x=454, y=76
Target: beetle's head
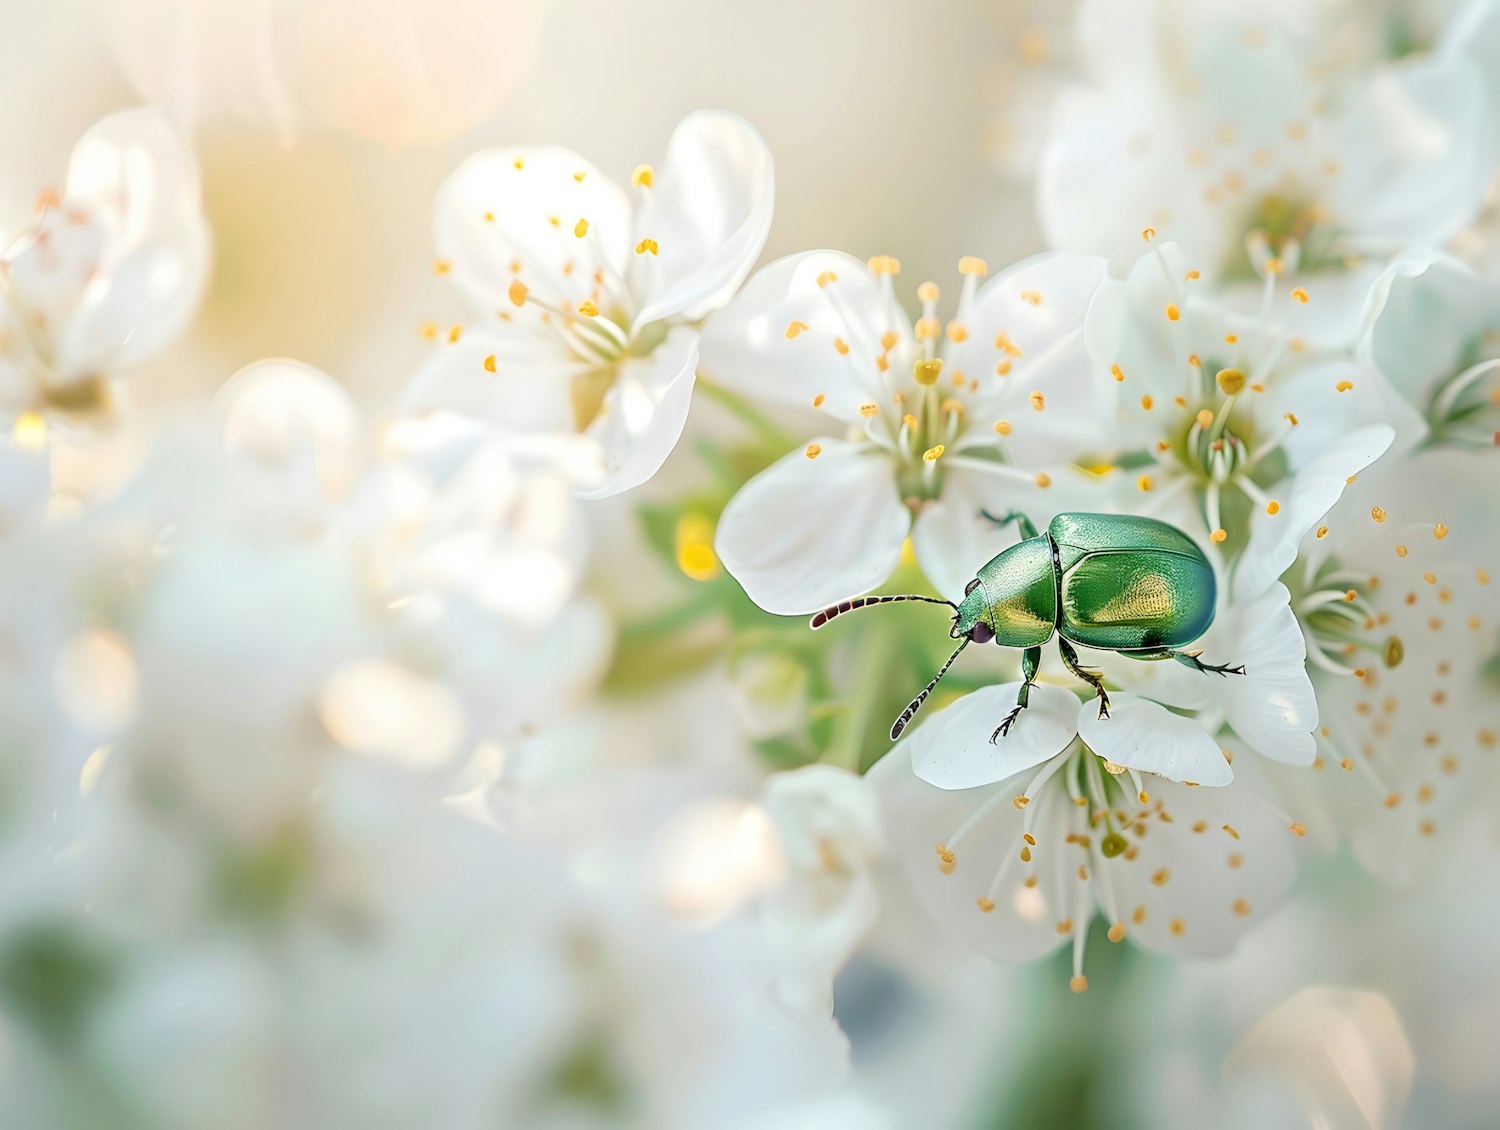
x=971, y=620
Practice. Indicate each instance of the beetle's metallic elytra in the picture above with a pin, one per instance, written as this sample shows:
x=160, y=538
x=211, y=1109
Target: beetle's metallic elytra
x=1112, y=582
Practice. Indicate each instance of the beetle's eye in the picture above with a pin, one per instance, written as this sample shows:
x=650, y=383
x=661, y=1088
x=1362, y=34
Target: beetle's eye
x=982, y=633
x=971, y=586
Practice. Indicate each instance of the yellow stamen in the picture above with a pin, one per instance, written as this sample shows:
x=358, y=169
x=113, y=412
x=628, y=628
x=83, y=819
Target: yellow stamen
x=643, y=176
x=795, y=328
x=1231, y=381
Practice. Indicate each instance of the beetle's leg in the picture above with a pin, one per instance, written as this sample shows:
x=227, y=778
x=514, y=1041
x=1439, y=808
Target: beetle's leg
x=1026, y=525
x=1190, y=659
x=1092, y=678
x=1031, y=660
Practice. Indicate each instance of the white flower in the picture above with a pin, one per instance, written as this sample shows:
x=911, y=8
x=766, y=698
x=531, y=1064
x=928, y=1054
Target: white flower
x=942, y=421
x=1035, y=834
x=828, y=823
x=1434, y=334
x=109, y=271
x=1249, y=431
x=1396, y=606
x=585, y=294
x=1210, y=127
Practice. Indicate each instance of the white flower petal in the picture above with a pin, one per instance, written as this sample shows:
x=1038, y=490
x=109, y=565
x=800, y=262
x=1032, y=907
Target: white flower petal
x=1039, y=305
x=757, y=345
x=1271, y=706
x=1304, y=500
x=1022, y=922
x=807, y=533
x=1144, y=735
x=709, y=211
x=528, y=390
x=1200, y=881
x=952, y=749
x=644, y=413
x=509, y=214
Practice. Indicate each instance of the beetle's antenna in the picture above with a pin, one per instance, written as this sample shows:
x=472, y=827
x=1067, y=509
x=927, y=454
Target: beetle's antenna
x=865, y=601
x=916, y=704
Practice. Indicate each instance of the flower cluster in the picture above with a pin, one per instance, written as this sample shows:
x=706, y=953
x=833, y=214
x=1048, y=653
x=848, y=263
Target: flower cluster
x=466, y=755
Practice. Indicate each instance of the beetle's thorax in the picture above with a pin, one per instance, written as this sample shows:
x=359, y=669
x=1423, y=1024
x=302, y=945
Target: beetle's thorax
x=1015, y=596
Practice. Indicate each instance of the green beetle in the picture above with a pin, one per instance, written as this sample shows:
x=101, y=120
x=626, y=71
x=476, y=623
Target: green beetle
x=1111, y=582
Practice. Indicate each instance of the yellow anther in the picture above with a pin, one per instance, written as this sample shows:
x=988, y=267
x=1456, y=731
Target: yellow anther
x=1298, y=829
x=888, y=340
x=1440, y=531
x=1401, y=551
x=826, y=277
x=1032, y=296
x=1002, y=427
x=1144, y=482
x=1343, y=386
x=1291, y=418
x=1218, y=535
x=1161, y=877
x=1002, y=367
x=643, y=176
x=1043, y=479
x=1377, y=513
x=869, y=408
x=1193, y=274
x=489, y=363
x=928, y=329
x=517, y=292
x=1117, y=372
x=933, y=454
x=818, y=400
x=489, y=217
x=1241, y=907
x=1148, y=234
x=1299, y=294
x=454, y=334
x=794, y=328
x=429, y=330
x=581, y=228
x=927, y=292
x=927, y=372
x=812, y=451
x=1038, y=401
x=1146, y=403
x=588, y=309
x=1178, y=927
x=1079, y=983
x=909, y=421
x=1230, y=381
x=971, y=265
x=1172, y=312
x=951, y=406
x=1273, y=508
x=885, y=265
x=579, y=175
x=441, y=266
x=841, y=345
x=1194, y=361
x=1204, y=418
x=984, y=904
x=646, y=245
x=957, y=332
x=520, y=163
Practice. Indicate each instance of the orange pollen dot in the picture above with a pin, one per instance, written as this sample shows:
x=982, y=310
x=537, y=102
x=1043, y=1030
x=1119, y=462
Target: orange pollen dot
x=1343, y=386
x=841, y=345
x=429, y=330
x=1205, y=418
x=1193, y=274
x=972, y=265
x=1440, y=531
x=1021, y=801
x=643, y=176
x=517, y=292
x=869, y=408
x=1401, y=551
x=1032, y=296
x=813, y=451
x=454, y=334
x=489, y=363
x=1148, y=234
x=885, y=265
x=1241, y=907
x=818, y=400
x=795, y=328
x=1172, y=312
x=1178, y=926
x=928, y=292
x=1043, y=479
x=1273, y=507
x=1029, y=838
x=910, y=421
x=646, y=245
x=933, y=454
x=441, y=267
x=489, y=217
x=1322, y=531
x=1230, y=339
x=1377, y=513
x=1117, y=932
x=1079, y=983
x=984, y=904
x=519, y=163
x=1392, y=800
x=957, y=332
x=1116, y=372
x=1002, y=367
x=1194, y=361
x=588, y=310
x=1351, y=596
x=1218, y=535
x=1299, y=294
x=1146, y=403
x=1144, y=482
x=578, y=176
x=1291, y=418
x=1038, y=401
x=826, y=277
x=581, y=228
x=1002, y=427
